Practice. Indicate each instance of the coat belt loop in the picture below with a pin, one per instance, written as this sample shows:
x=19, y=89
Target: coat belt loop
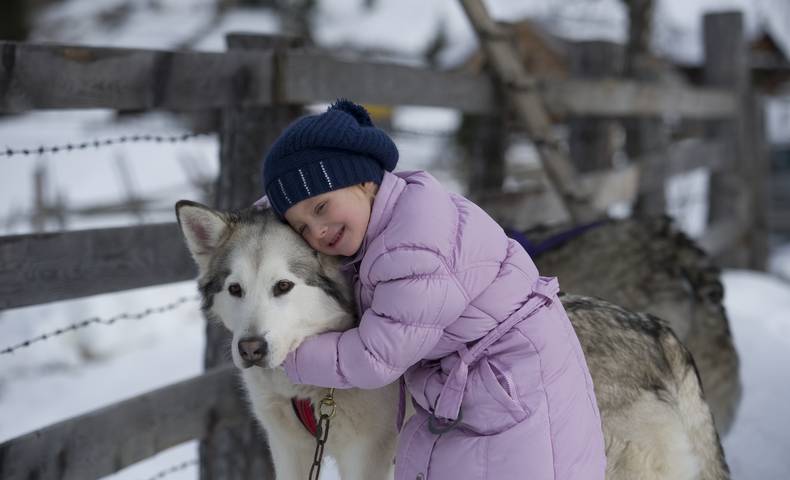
x=448, y=404
x=546, y=287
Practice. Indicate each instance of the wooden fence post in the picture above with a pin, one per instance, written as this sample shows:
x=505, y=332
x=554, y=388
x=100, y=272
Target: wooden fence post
x=737, y=191
x=242, y=453
x=483, y=140
x=592, y=138
x=646, y=139
x=757, y=173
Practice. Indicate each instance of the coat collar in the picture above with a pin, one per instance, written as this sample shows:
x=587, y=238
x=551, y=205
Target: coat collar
x=392, y=185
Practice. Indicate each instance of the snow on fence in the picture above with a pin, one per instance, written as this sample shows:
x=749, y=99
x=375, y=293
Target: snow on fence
x=258, y=85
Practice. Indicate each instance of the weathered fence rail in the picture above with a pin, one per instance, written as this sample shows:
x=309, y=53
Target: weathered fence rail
x=46, y=267
x=104, y=441
x=96, y=77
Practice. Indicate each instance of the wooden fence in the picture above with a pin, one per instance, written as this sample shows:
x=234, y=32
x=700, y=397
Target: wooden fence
x=256, y=85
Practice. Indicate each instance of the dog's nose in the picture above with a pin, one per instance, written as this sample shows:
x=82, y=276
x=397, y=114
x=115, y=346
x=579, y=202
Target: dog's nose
x=253, y=349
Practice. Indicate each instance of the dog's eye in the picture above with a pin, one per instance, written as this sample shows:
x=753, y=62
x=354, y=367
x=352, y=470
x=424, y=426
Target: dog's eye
x=235, y=289
x=283, y=286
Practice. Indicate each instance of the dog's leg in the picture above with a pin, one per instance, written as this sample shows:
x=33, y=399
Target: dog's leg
x=292, y=457
x=292, y=448
x=366, y=460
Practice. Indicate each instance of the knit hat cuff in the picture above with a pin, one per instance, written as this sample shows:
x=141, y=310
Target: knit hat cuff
x=326, y=171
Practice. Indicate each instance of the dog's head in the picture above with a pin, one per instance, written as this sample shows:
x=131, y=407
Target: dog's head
x=263, y=282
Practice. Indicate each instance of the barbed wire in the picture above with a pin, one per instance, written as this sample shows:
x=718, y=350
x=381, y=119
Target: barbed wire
x=98, y=143
x=175, y=468
x=68, y=147
x=96, y=321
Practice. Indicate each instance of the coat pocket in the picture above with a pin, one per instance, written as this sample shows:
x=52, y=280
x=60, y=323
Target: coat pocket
x=491, y=405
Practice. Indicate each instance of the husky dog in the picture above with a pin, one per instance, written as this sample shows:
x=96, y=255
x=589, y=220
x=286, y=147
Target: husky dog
x=271, y=290
x=648, y=265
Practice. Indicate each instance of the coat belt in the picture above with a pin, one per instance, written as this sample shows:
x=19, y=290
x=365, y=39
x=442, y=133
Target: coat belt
x=448, y=403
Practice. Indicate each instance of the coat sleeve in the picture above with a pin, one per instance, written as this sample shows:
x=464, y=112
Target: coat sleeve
x=415, y=297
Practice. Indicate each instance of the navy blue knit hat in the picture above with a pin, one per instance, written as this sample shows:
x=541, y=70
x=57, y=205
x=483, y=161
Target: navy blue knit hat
x=320, y=153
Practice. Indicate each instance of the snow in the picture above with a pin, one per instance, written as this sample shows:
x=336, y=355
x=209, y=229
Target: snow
x=687, y=195
x=779, y=263
x=78, y=372
x=757, y=305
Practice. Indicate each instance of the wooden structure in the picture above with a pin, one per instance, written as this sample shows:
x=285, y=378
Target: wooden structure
x=258, y=84
x=657, y=143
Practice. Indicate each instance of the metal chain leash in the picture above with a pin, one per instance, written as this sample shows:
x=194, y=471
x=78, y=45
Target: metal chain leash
x=9, y=152
x=322, y=434
x=96, y=320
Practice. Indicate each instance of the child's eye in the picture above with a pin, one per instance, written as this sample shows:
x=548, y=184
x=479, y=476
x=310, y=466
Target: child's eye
x=320, y=207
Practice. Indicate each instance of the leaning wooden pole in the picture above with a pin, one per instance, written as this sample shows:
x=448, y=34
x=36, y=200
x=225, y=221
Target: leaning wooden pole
x=522, y=94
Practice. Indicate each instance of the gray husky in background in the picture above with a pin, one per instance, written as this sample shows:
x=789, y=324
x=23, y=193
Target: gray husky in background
x=649, y=265
x=272, y=291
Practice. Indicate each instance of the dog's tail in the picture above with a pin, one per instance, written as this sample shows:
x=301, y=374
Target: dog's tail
x=693, y=411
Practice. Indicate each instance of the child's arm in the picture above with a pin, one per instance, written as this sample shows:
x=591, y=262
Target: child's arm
x=414, y=299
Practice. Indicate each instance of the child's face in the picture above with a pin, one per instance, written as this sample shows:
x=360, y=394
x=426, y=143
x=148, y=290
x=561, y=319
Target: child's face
x=335, y=222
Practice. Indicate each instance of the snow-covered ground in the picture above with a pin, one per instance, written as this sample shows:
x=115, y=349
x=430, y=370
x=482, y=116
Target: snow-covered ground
x=79, y=372
x=758, y=444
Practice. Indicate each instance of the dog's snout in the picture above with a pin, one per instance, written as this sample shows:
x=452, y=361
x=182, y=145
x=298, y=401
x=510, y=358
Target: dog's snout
x=252, y=350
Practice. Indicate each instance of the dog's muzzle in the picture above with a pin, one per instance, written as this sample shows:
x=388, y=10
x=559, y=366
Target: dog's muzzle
x=252, y=351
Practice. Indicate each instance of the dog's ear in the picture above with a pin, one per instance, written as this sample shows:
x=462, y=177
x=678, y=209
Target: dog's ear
x=203, y=229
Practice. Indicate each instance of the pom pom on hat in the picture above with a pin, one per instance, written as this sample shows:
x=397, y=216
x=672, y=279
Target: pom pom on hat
x=353, y=109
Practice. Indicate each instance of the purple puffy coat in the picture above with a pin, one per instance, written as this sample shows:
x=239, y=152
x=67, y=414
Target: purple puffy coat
x=487, y=350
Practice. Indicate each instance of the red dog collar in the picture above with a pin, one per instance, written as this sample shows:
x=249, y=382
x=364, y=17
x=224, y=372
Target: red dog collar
x=305, y=412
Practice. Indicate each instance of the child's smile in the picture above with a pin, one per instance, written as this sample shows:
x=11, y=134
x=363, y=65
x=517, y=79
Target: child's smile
x=335, y=222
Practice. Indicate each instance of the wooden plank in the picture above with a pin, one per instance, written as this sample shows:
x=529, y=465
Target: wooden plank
x=727, y=65
x=591, y=144
x=757, y=173
x=692, y=154
x=36, y=76
x=645, y=134
x=312, y=77
x=117, y=78
x=41, y=268
x=687, y=155
x=624, y=98
x=104, y=441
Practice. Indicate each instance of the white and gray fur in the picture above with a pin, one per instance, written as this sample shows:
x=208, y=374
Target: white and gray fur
x=656, y=422
x=649, y=265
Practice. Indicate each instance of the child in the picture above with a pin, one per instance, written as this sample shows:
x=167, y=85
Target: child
x=496, y=373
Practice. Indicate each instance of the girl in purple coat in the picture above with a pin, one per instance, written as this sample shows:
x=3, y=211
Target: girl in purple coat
x=446, y=300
